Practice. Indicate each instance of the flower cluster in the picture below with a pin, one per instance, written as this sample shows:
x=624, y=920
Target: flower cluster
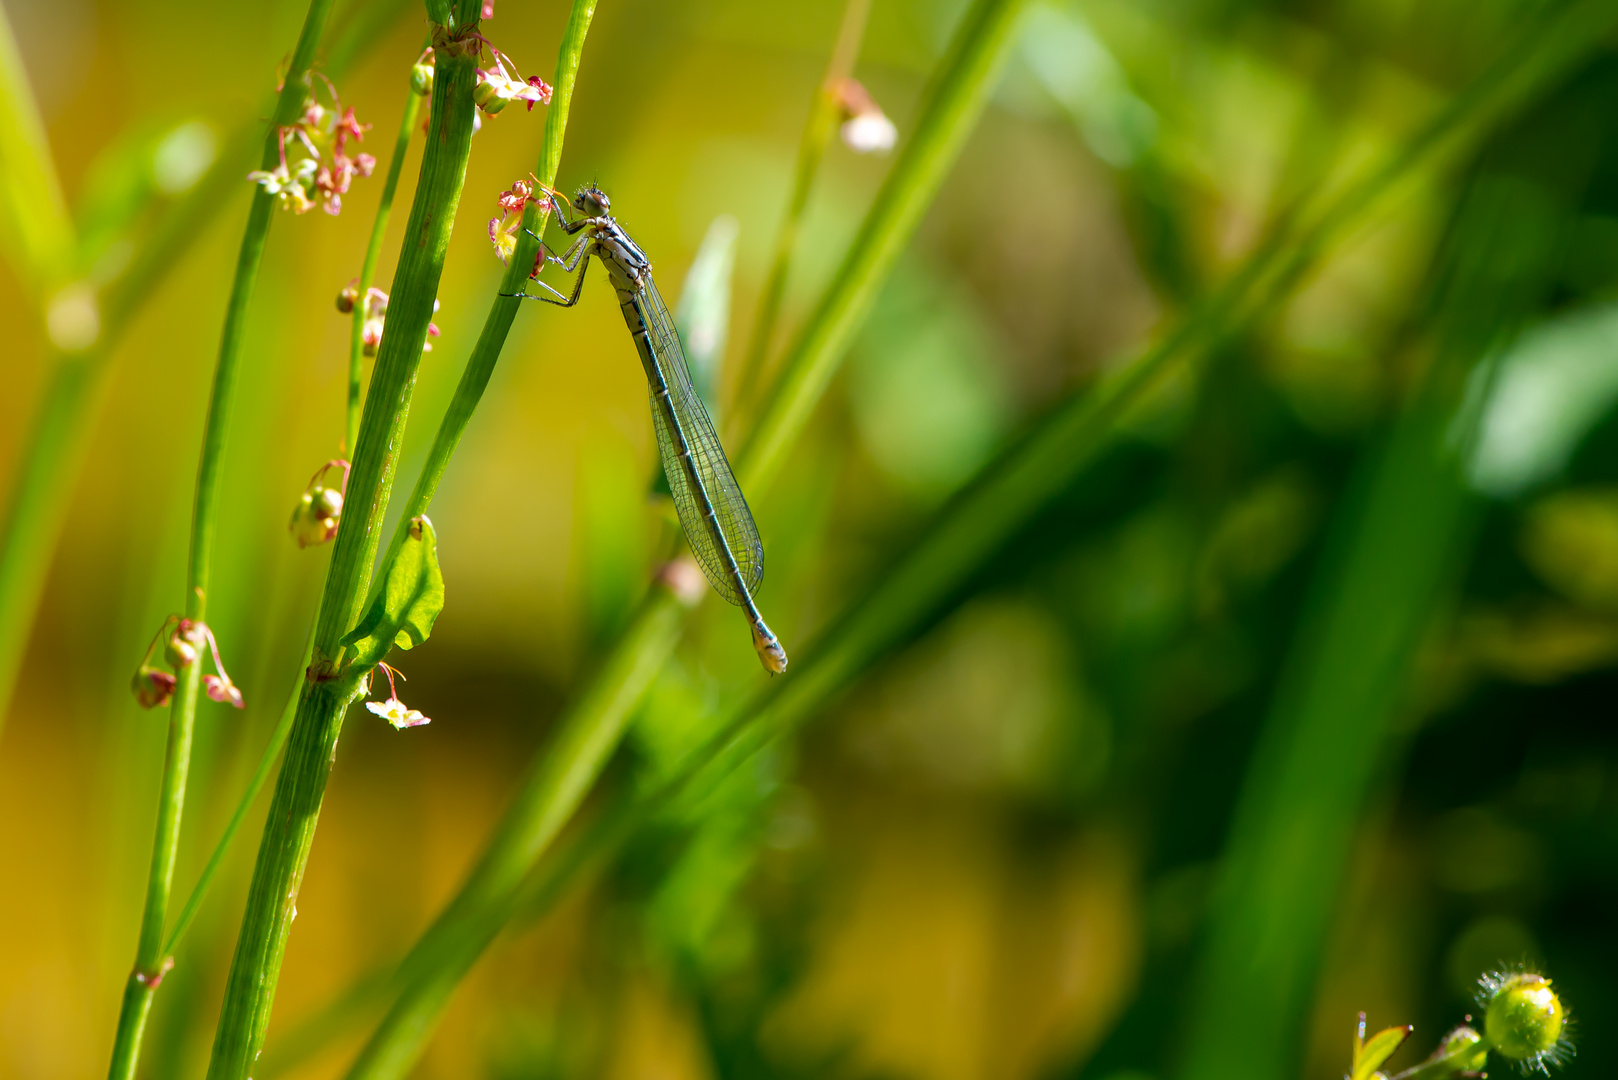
x=376, y=314
x=866, y=128
x=503, y=229
x=393, y=710
x=498, y=85
x=183, y=641
x=320, y=507
x=326, y=168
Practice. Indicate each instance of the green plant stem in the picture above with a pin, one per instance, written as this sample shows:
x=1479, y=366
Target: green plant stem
x=548, y=798
x=817, y=132
x=1449, y=1065
x=300, y=787
x=58, y=433
x=150, y=960
x=373, y=251
x=278, y=739
x=503, y=311
x=953, y=103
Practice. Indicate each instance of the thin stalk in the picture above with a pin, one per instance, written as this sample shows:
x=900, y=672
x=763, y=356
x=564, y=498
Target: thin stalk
x=58, y=435
x=954, y=102
x=554, y=789
x=1448, y=1065
x=150, y=960
x=817, y=133
x=373, y=251
x=300, y=787
x=266, y=762
x=564, y=771
x=497, y=325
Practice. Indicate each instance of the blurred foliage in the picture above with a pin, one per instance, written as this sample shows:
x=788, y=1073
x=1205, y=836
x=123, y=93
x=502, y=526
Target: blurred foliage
x=996, y=855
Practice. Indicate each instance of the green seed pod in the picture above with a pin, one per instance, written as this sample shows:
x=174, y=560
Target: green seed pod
x=1524, y=1017
x=346, y=299
x=179, y=652
x=1456, y=1042
x=328, y=503
x=487, y=97
x=421, y=79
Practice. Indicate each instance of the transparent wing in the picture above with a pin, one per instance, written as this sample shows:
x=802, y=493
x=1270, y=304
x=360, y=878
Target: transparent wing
x=713, y=483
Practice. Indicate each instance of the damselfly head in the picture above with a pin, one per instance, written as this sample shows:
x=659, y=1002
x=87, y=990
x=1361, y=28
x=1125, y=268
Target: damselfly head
x=592, y=202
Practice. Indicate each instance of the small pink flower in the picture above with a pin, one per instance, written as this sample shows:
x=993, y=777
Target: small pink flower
x=393, y=710
x=222, y=690
x=542, y=90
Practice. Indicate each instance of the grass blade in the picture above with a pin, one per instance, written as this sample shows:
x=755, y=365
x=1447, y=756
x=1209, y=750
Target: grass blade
x=33, y=213
x=1400, y=546
x=953, y=104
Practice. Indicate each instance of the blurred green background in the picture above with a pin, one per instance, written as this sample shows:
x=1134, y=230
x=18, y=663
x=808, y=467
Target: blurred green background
x=1382, y=511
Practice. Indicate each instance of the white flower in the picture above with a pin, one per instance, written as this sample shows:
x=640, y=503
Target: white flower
x=397, y=713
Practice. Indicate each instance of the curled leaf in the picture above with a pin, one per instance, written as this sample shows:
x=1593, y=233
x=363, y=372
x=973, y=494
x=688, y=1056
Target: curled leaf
x=404, y=611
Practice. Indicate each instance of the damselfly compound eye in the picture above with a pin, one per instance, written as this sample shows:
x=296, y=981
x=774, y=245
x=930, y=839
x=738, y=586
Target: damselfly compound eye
x=592, y=201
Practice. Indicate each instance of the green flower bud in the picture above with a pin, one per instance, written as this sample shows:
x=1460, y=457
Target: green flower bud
x=347, y=298
x=1456, y=1042
x=1523, y=1017
x=421, y=79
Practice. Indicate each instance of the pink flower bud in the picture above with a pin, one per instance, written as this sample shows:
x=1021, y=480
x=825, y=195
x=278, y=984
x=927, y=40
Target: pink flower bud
x=152, y=687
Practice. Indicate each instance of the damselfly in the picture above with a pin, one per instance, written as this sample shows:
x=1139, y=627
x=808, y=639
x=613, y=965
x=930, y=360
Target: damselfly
x=712, y=510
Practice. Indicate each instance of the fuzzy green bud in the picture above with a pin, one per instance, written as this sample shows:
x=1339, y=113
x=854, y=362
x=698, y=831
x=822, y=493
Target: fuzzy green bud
x=1524, y=1016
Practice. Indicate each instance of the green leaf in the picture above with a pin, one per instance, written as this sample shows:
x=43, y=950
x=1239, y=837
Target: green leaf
x=412, y=596
x=1377, y=1050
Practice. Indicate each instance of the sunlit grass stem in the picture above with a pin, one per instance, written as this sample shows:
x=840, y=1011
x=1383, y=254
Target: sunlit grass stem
x=817, y=134
x=150, y=959
x=76, y=383
x=300, y=787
